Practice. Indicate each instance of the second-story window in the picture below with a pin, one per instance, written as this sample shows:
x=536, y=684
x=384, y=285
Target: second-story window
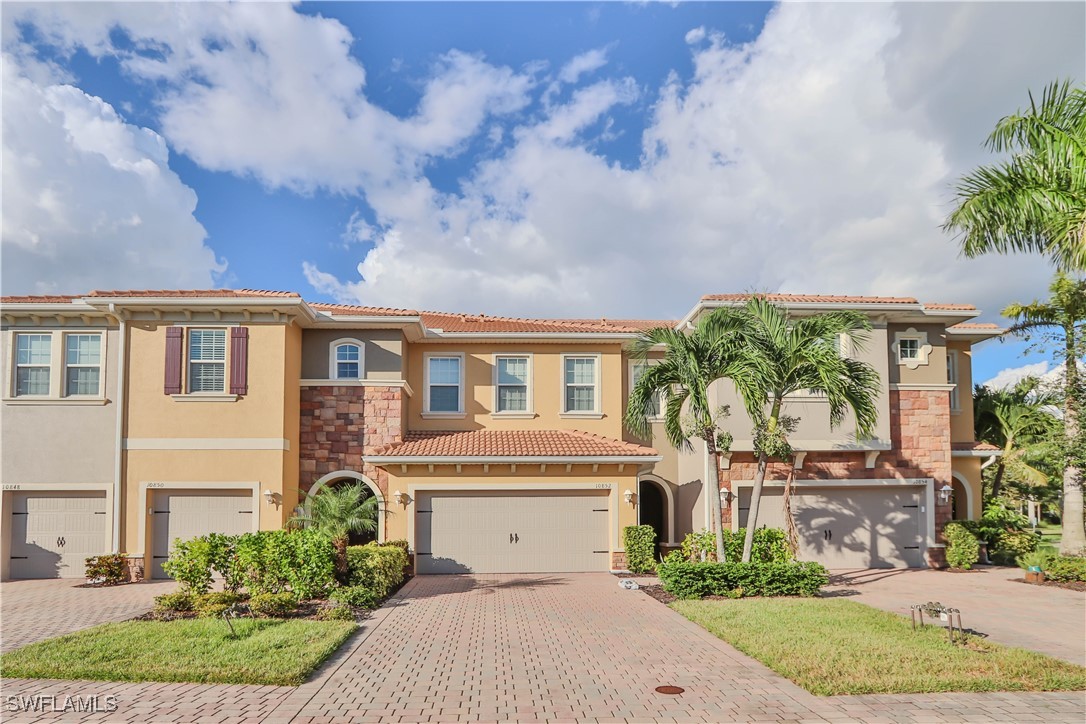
x=512, y=380
x=908, y=348
x=32, y=363
x=207, y=360
x=579, y=383
x=443, y=384
x=348, y=365
x=83, y=364
x=952, y=378
x=652, y=409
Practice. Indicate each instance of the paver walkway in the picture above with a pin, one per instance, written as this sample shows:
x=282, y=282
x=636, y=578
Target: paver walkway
x=35, y=610
x=564, y=647
x=1042, y=618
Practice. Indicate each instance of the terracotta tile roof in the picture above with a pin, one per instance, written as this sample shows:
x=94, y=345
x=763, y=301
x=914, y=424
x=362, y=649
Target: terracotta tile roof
x=975, y=445
x=950, y=307
x=357, y=310
x=981, y=326
x=511, y=444
x=638, y=324
x=39, y=299
x=192, y=293
x=808, y=298
x=466, y=323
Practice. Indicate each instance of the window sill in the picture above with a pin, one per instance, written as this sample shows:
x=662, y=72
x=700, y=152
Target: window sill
x=78, y=401
x=204, y=397
x=513, y=415
x=582, y=415
x=444, y=415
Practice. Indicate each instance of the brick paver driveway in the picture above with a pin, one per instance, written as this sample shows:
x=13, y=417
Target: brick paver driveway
x=1042, y=618
x=559, y=648
x=35, y=610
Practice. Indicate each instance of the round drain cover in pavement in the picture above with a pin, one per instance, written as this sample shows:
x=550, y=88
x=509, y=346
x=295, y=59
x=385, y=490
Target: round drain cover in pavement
x=669, y=690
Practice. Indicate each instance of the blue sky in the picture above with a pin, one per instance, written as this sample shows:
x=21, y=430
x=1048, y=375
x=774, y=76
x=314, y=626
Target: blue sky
x=533, y=158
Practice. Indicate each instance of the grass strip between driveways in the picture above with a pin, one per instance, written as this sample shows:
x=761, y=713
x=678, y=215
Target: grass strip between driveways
x=266, y=651
x=832, y=647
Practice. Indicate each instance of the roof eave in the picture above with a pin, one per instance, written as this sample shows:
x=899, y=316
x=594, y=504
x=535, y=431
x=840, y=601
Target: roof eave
x=976, y=453
x=508, y=459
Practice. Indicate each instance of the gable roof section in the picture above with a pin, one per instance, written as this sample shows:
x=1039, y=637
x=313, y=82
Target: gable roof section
x=476, y=446
x=355, y=310
x=807, y=298
x=451, y=323
x=191, y=294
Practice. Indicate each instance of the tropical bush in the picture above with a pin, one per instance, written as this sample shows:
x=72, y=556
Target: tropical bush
x=377, y=567
x=273, y=561
x=212, y=605
x=1037, y=559
x=179, y=602
x=356, y=596
x=110, y=569
x=1066, y=569
x=273, y=605
x=770, y=546
x=337, y=511
x=1012, y=544
x=694, y=579
x=640, y=544
x=962, y=546
x=194, y=563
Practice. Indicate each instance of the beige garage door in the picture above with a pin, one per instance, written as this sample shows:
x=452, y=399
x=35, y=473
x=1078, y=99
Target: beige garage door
x=188, y=514
x=878, y=527
x=512, y=532
x=53, y=533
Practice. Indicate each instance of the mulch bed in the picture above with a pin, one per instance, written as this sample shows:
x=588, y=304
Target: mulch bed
x=1069, y=585
x=658, y=593
x=305, y=610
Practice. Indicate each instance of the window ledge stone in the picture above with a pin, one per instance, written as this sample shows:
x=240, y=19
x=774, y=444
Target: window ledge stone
x=202, y=397
x=444, y=415
x=83, y=401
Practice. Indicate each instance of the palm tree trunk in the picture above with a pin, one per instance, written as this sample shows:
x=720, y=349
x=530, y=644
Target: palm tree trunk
x=1073, y=538
x=340, y=544
x=755, y=502
x=997, y=481
x=789, y=519
x=712, y=477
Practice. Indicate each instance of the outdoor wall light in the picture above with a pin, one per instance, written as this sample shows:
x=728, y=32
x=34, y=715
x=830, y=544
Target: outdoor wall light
x=399, y=498
x=945, y=492
x=628, y=496
x=269, y=497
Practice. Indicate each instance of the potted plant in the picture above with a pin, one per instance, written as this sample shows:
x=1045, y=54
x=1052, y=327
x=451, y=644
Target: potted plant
x=1034, y=564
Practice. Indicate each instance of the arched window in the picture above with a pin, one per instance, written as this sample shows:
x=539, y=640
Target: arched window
x=345, y=360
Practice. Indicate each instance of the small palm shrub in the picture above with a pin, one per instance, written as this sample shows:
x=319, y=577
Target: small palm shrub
x=337, y=511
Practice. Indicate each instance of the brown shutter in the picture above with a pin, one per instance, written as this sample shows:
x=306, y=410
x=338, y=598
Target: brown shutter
x=239, y=360
x=174, y=338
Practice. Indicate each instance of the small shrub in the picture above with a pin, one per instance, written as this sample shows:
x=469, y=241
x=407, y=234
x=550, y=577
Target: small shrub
x=1012, y=544
x=338, y=612
x=401, y=543
x=640, y=544
x=1066, y=569
x=378, y=567
x=180, y=602
x=110, y=569
x=1036, y=559
x=212, y=605
x=274, y=561
x=962, y=547
x=273, y=605
x=356, y=596
x=689, y=579
x=699, y=546
x=190, y=564
x=770, y=546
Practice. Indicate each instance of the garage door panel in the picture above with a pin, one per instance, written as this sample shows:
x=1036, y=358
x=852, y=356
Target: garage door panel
x=529, y=532
x=846, y=527
x=187, y=514
x=53, y=533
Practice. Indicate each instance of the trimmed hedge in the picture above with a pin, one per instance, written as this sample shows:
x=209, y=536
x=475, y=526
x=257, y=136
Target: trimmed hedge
x=356, y=596
x=770, y=546
x=688, y=579
x=962, y=546
x=377, y=567
x=180, y=602
x=212, y=605
x=640, y=544
x=1066, y=569
x=274, y=561
x=273, y=605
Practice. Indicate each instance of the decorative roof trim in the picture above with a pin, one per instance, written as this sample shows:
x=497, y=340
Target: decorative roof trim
x=508, y=459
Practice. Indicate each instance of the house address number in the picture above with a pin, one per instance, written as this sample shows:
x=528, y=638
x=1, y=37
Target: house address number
x=11, y=486
x=156, y=485
x=603, y=485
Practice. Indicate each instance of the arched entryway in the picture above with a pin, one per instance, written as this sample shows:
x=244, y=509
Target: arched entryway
x=351, y=476
x=961, y=502
x=655, y=508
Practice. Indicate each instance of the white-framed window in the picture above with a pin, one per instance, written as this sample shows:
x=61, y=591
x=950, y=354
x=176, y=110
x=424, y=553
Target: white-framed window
x=911, y=348
x=513, y=384
x=952, y=378
x=82, y=364
x=444, y=384
x=33, y=364
x=653, y=410
x=580, y=384
x=346, y=360
x=207, y=360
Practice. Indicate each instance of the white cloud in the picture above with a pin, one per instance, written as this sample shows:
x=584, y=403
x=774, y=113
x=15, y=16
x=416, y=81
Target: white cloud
x=818, y=157
x=89, y=200
x=584, y=63
x=695, y=35
x=1009, y=377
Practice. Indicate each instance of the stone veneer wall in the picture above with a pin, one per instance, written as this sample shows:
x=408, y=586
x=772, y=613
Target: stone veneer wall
x=340, y=424
x=920, y=440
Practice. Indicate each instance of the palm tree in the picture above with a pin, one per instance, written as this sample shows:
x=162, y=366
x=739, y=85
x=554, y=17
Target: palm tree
x=340, y=510
x=775, y=357
x=691, y=363
x=1016, y=421
x=1036, y=199
x=1062, y=319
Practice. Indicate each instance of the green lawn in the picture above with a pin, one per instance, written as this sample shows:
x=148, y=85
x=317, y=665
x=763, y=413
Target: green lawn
x=1051, y=534
x=832, y=646
x=266, y=651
